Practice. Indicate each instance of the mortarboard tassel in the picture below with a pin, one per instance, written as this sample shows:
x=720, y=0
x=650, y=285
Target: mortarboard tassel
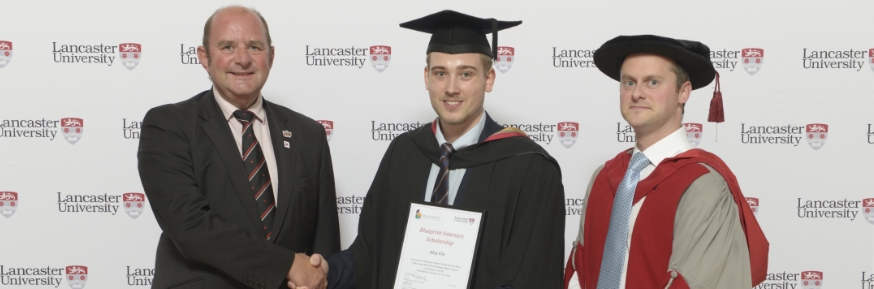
x=494, y=38
x=717, y=113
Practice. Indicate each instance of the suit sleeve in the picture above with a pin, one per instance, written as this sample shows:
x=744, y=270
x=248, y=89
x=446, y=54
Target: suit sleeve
x=166, y=166
x=366, y=258
x=533, y=256
x=709, y=248
x=326, y=238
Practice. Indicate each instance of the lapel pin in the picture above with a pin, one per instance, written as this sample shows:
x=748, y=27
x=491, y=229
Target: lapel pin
x=287, y=145
x=286, y=134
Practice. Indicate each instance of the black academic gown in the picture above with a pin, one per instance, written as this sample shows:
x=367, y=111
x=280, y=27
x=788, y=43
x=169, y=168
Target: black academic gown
x=513, y=179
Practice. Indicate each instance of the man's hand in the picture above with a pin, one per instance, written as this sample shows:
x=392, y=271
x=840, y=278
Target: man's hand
x=317, y=260
x=303, y=275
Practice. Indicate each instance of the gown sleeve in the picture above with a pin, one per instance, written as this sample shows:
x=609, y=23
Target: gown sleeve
x=709, y=248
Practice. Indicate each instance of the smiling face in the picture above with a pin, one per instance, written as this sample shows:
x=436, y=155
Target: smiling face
x=650, y=100
x=457, y=84
x=239, y=56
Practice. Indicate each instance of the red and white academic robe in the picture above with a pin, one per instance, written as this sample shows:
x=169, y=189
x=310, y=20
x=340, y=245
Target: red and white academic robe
x=695, y=229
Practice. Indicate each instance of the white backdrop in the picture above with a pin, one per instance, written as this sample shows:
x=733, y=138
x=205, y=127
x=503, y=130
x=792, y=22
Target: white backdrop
x=68, y=209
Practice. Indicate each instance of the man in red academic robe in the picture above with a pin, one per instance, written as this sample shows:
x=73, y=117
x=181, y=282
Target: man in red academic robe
x=663, y=214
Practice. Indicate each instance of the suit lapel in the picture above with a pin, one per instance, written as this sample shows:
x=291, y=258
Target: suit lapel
x=285, y=163
x=215, y=126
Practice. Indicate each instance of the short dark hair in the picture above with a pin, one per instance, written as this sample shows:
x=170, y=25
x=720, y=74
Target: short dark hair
x=208, y=27
x=484, y=59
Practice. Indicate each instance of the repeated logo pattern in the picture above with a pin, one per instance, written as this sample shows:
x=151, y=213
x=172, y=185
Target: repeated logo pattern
x=694, y=132
x=753, y=58
x=329, y=128
x=817, y=133
x=130, y=54
x=77, y=276
x=5, y=53
x=380, y=57
x=505, y=58
x=72, y=128
x=8, y=203
x=568, y=132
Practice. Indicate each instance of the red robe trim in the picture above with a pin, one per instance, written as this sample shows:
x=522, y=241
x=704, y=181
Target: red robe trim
x=501, y=134
x=649, y=259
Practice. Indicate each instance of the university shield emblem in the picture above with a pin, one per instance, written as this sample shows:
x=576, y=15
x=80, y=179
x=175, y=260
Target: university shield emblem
x=693, y=132
x=870, y=59
x=867, y=210
x=8, y=203
x=506, y=57
x=72, y=129
x=817, y=133
x=380, y=57
x=754, y=205
x=5, y=52
x=811, y=279
x=329, y=128
x=130, y=54
x=77, y=276
x=752, y=59
x=568, y=133
x=134, y=203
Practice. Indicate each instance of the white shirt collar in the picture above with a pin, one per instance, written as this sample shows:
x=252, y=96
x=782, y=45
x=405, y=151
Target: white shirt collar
x=469, y=138
x=228, y=109
x=669, y=146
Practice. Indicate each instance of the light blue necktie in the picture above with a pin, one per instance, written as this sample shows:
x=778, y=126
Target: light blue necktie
x=617, y=234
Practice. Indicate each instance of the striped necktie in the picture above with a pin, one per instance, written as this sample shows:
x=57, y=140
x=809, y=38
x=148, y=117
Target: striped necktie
x=616, y=244
x=440, y=194
x=257, y=173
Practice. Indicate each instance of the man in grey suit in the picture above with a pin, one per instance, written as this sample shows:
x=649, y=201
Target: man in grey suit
x=240, y=186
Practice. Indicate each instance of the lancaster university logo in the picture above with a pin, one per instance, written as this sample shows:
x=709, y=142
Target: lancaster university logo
x=77, y=276
x=8, y=203
x=134, y=203
x=754, y=205
x=817, y=133
x=693, y=132
x=568, y=133
x=380, y=57
x=753, y=58
x=329, y=128
x=811, y=279
x=504, y=60
x=867, y=210
x=72, y=128
x=870, y=59
x=5, y=52
x=130, y=54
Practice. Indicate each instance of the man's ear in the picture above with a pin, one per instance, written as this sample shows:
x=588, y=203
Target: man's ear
x=426, y=74
x=685, y=92
x=203, y=56
x=490, y=79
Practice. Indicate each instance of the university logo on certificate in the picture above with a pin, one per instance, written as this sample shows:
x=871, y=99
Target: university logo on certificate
x=439, y=248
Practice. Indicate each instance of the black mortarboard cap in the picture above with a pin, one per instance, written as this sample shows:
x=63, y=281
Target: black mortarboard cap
x=453, y=32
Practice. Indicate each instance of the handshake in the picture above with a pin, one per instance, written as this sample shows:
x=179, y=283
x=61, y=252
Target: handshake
x=308, y=275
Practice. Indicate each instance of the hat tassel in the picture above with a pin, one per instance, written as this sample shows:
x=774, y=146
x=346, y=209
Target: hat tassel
x=717, y=113
x=494, y=38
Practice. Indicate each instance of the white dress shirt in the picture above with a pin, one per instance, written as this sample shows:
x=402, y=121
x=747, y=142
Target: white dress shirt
x=669, y=146
x=262, y=133
x=469, y=138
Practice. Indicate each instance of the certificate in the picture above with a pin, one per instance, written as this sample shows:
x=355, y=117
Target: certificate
x=439, y=247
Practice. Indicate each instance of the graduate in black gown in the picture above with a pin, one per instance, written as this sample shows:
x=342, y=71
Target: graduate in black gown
x=493, y=169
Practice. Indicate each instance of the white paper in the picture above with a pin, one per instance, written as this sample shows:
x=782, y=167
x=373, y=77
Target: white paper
x=439, y=246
